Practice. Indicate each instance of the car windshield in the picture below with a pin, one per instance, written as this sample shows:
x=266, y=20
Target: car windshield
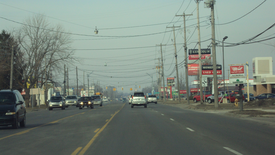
x=56, y=98
x=7, y=98
x=95, y=97
x=85, y=98
x=71, y=97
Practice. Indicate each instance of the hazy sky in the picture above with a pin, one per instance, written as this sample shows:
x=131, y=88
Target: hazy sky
x=124, y=51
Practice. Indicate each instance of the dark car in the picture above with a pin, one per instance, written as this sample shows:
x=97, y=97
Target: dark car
x=251, y=97
x=265, y=96
x=57, y=102
x=85, y=102
x=12, y=109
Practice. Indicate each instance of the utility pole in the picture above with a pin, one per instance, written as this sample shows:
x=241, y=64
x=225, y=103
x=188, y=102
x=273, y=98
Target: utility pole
x=210, y=4
x=88, y=84
x=84, y=81
x=185, y=54
x=247, y=85
x=68, y=93
x=162, y=73
x=64, y=80
x=176, y=61
x=11, y=72
x=76, y=82
x=199, y=50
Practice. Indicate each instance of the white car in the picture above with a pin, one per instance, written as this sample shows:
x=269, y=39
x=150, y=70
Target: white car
x=105, y=100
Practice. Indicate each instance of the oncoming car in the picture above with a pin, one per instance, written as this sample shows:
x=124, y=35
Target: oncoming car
x=56, y=102
x=85, y=102
x=97, y=99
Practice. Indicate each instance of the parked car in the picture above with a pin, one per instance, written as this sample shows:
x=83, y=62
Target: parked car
x=97, y=99
x=152, y=99
x=197, y=97
x=251, y=97
x=57, y=102
x=265, y=96
x=139, y=99
x=85, y=102
x=210, y=99
x=12, y=109
x=71, y=100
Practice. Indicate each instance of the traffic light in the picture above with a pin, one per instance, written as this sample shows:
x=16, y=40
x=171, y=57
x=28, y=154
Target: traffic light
x=139, y=86
x=122, y=88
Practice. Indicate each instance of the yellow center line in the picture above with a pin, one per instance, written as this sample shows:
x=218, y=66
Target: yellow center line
x=28, y=130
x=107, y=120
x=96, y=130
x=76, y=151
x=97, y=134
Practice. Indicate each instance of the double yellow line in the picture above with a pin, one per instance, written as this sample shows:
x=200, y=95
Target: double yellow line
x=95, y=136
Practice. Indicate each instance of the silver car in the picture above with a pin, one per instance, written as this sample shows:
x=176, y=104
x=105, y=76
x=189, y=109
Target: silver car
x=139, y=100
x=152, y=99
x=56, y=102
x=97, y=100
x=71, y=100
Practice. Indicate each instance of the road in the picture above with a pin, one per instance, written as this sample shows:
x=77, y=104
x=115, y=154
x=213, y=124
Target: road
x=118, y=129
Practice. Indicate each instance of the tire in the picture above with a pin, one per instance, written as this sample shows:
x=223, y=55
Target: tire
x=132, y=106
x=80, y=107
x=23, y=122
x=50, y=108
x=63, y=108
x=92, y=107
x=145, y=106
x=15, y=123
x=156, y=102
x=209, y=101
x=195, y=100
x=101, y=105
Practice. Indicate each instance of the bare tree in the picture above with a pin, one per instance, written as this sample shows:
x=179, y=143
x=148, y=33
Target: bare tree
x=45, y=48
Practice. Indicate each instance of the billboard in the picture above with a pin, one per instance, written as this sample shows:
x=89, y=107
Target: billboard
x=196, y=57
x=237, y=70
x=196, y=51
x=208, y=69
x=170, y=81
x=183, y=91
x=193, y=69
x=194, y=90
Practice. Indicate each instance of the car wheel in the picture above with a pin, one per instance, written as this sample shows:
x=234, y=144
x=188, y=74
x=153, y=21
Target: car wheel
x=15, y=123
x=195, y=100
x=23, y=122
x=156, y=103
x=209, y=101
x=132, y=106
x=145, y=106
x=92, y=107
x=101, y=105
x=50, y=108
x=63, y=108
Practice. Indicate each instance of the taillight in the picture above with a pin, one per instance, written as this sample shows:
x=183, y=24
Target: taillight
x=145, y=97
x=132, y=97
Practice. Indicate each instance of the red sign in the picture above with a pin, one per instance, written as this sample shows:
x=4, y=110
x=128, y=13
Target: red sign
x=236, y=69
x=23, y=92
x=210, y=72
x=183, y=92
x=196, y=57
x=194, y=90
x=193, y=69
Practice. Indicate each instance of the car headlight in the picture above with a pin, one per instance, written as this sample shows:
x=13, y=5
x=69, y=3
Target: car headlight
x=10, y=113
x=74, y=101
x=89, y=102
x=81, y=102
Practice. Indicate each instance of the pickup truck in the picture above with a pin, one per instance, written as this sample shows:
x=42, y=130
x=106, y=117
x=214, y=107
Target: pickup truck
x=197, y=97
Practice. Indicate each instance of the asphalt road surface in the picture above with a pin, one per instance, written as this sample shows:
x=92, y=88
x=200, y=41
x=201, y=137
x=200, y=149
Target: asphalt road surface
x=118, y=129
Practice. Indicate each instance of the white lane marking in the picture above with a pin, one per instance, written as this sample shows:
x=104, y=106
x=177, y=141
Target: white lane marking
x=162, y=114
x=172, y=119
x=190, y=129
x=233, y=151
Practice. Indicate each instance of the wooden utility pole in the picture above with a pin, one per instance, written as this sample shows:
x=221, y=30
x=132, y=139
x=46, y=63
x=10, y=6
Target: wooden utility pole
x=11, y=72
x=76, y=82
x=68, y=93
x=64, y=80
x=176, y=61
x=162, y=73
x=185, y=54
x=247, y=85
x=199, y=50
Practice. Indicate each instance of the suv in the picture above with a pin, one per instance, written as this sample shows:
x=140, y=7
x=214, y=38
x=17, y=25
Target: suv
x=97, y=99
x=71, y=100
x=12, y=109
x=152, y=99
x=139, y=99
x=56, y=102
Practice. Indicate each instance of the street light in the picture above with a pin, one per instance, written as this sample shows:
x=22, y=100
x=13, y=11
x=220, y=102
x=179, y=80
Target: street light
x=223, y=63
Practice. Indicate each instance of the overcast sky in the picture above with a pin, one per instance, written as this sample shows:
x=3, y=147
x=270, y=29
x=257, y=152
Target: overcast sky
x=124, y=51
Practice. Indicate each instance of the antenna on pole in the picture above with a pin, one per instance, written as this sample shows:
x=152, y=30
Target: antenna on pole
x=96, y=31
